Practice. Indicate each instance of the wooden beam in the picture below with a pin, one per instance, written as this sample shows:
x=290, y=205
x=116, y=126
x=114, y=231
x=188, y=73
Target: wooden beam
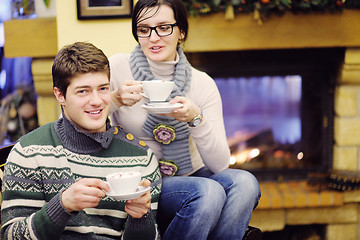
x=30, y=38
x=302, y=30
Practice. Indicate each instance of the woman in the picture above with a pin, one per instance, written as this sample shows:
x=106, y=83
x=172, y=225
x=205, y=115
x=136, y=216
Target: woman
x=204, y=199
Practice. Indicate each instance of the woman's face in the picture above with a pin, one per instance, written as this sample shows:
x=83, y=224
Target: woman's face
x=159, y=49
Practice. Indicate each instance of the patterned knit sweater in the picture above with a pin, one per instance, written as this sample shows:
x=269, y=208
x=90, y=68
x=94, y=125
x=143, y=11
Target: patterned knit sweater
x=51, y=158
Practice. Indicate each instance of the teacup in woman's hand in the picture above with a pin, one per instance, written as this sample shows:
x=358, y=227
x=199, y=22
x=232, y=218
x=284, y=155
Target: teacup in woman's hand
x=123, y=182
x=157, y=90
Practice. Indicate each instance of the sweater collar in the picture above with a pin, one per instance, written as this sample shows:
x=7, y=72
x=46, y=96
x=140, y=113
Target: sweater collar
x=81, y=142
x=163, y=70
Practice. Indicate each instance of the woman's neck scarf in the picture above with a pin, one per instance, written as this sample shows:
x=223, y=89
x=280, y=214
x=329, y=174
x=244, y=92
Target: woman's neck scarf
x=172, y=134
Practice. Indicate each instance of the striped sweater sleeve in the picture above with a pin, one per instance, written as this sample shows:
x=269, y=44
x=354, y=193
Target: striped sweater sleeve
x=25, y=212
x=141, y=229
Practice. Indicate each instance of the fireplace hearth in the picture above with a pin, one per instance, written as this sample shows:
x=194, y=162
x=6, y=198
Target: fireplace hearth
x=278, y=108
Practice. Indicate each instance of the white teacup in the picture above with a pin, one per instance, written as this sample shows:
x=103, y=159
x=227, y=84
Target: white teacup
x=122, y=183
x=157, y=90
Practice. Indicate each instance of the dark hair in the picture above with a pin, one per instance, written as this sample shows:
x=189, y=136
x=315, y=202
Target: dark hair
x=180, y=14
x=77, y=58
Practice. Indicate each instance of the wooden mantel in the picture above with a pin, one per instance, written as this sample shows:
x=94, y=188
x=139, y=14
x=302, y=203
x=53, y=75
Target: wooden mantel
x=38, y=37
x=303, y=30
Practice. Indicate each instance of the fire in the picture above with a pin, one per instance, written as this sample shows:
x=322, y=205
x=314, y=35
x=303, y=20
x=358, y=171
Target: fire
x=244, y=156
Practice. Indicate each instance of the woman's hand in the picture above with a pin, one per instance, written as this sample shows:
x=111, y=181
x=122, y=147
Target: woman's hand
x=85, y=193
x=127, y=94
x=187, y=112
x=137, y=208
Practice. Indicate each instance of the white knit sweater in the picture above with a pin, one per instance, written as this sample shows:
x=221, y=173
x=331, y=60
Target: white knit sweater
x=208, y=144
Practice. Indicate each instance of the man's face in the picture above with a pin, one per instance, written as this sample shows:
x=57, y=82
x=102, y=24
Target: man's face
x=87, y=101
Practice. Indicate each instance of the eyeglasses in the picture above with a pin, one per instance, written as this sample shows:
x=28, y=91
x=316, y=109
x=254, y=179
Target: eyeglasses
x=161, y=30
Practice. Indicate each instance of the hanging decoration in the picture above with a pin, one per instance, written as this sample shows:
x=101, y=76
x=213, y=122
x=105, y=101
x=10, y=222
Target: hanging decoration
x=261, y=9
x=17, y=114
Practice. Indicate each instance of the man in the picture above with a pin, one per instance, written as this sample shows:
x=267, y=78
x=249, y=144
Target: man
x=53, y=184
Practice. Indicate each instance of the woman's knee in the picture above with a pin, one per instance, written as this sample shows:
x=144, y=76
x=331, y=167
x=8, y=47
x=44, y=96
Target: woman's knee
x=248, y=182
x=244, y=183
x=248, y=179
x=203, y=191
x=210, y=200
x=213, y=191
x=207, y=192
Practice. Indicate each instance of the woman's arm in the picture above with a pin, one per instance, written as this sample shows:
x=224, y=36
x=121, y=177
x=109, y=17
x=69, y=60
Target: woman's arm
x=210, y=136
x=124, y=90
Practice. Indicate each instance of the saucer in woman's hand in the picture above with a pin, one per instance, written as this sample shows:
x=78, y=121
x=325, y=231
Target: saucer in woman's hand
x=161, y=107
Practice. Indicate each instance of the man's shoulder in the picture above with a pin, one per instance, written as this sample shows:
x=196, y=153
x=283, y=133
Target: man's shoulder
x=129, y=140
x=43, y=135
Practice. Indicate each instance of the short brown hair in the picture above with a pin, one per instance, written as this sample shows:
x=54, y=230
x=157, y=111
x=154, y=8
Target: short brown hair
x=77, y=58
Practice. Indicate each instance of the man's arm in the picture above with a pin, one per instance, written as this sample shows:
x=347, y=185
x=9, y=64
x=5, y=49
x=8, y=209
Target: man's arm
x=25, y=213
x=141, y=222
x=143, y=228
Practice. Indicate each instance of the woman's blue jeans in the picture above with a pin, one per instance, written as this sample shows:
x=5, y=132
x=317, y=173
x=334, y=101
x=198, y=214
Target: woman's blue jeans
x=207, y=206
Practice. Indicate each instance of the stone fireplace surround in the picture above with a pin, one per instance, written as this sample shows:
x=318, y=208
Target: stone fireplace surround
x=213, y=33
x=302, y=32
x=294, y=203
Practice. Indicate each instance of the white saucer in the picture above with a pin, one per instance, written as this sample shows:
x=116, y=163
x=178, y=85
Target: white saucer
x=161, y=107
x=139, y=192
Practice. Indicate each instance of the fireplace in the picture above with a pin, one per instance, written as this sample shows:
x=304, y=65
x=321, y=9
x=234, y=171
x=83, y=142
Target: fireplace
x=278, y=108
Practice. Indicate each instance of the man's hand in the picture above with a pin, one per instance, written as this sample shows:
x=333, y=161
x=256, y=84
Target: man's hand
x=85, y=193
x=137, y=208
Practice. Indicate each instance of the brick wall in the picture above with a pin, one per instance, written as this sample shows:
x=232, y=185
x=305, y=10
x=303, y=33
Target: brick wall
x=347, y=114
x=347, y=138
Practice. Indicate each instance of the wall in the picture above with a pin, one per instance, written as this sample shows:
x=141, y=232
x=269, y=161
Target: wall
x=110, y=35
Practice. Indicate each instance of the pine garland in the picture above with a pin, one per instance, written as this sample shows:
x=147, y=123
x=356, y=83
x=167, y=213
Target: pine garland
x=47, y=3
x=263, y=8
